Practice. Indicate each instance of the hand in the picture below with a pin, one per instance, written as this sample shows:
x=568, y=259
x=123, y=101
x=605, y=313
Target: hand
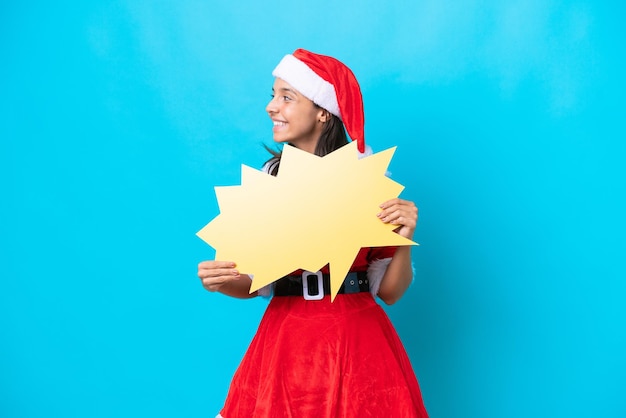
x=215, y=274
x=400, y=212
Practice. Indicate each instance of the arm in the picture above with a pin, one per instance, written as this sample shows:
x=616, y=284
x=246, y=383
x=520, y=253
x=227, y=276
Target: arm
x=223, y=277
x=399, y=273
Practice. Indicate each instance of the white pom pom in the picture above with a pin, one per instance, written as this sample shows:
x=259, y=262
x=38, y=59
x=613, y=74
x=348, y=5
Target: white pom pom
x=367, y=153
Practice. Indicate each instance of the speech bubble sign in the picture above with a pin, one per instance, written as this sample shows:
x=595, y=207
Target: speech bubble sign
x=316, y=211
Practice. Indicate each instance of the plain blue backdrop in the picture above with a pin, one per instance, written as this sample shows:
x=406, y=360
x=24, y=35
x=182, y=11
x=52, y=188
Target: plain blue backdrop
x=117, y=119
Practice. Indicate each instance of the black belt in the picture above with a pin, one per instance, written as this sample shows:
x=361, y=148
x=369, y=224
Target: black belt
x=294, y=285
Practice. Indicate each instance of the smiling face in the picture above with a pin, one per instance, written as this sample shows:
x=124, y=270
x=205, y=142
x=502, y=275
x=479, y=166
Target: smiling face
x=297, y=120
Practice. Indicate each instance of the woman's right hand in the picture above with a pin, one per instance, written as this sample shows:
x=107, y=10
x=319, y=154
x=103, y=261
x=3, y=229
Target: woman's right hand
x=217, y=274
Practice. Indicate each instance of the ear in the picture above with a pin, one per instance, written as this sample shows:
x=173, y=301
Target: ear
x=323, y=115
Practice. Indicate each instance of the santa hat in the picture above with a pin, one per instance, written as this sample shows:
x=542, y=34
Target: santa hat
x=328, y=83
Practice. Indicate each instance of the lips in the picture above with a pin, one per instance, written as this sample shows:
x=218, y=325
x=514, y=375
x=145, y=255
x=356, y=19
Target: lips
x=278, y=125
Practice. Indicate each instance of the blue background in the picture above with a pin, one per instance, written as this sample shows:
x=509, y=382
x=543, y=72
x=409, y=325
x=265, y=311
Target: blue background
x=117, y=118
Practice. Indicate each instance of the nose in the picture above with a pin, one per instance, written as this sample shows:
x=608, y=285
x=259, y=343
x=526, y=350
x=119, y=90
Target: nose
x=271, y=107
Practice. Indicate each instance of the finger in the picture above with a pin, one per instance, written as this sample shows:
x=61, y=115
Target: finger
x=216, y=264
x=394, y=212
x=405, y=231
x=397, y=204
x=211, y=272
x=400, y=217
x=390, y=202
x=216, y=268
x=211, y=285
x=403, y=221
x=215, y=283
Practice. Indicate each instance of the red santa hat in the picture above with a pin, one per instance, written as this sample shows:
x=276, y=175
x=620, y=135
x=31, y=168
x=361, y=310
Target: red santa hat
x=328, y=83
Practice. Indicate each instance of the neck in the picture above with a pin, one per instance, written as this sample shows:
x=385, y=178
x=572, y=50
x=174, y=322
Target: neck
x=308, y=146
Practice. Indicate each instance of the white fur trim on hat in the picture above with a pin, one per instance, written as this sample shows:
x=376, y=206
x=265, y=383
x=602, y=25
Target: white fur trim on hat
x=307, y=82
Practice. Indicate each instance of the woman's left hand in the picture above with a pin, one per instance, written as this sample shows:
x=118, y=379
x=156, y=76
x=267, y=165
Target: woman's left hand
x=400, y=212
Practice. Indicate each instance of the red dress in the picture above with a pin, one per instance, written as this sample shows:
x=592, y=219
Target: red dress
x=323, y=359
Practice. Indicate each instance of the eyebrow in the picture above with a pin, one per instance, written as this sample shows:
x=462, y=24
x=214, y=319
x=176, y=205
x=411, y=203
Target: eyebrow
x=286, y=89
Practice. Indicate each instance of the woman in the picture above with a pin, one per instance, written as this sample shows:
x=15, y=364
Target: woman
x=317, y=358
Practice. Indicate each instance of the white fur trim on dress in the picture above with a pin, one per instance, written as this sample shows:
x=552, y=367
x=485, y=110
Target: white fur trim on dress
x=375, y=272
x=307, y=82
x=265, y=291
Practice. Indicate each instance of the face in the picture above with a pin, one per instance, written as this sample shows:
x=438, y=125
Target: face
x=296, y=119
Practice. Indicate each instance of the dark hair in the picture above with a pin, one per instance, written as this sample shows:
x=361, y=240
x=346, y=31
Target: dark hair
x=332, y=137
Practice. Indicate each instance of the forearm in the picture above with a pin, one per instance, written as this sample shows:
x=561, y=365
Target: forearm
x=397, y=277
x=399, y=273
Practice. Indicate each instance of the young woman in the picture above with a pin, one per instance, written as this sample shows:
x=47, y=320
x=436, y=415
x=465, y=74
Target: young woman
x=317, y=358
